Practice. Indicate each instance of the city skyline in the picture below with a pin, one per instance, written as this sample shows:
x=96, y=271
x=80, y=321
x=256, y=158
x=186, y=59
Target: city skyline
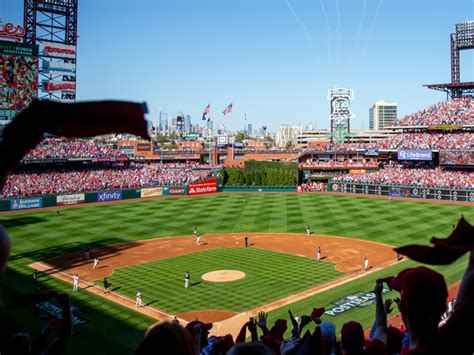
x=274, y=60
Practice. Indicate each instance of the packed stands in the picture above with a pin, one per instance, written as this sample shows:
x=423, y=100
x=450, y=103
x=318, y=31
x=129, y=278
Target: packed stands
x=398, y=174
x=62, y=180
x=456, y=111
x=62, y=148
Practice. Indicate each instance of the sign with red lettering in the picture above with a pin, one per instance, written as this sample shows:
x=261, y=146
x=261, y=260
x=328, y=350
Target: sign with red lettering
x=203, y=187
x=10, y=31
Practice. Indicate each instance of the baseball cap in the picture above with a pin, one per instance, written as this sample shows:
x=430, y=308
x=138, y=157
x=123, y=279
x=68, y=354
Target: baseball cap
x=328, y=331
x=189, y=327
x=352, y=336
x=423, y=292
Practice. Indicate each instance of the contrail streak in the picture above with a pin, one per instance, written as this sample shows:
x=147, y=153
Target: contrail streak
x=375, y=20
x=338, y=31
x=299, y=21
x=361, y=22
x=327, y=27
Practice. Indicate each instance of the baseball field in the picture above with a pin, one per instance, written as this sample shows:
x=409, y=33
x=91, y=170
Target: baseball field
x=149, y=245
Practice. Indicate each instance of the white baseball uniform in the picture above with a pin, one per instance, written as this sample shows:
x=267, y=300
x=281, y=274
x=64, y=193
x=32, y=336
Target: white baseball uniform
x=76, y=283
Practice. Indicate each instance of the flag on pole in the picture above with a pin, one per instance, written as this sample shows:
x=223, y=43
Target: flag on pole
x=228, y=109
x=206, y=111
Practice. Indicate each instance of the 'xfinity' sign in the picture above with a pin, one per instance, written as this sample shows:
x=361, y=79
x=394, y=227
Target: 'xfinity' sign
x=357, y=300
x=416, y=154
x=109, y=196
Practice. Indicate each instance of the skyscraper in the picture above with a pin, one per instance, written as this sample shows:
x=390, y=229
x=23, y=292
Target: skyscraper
x=382, y=114
x=187, y=123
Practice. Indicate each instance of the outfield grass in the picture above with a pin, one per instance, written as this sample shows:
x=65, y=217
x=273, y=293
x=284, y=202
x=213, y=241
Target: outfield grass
x=269, y=276
x=38, y=235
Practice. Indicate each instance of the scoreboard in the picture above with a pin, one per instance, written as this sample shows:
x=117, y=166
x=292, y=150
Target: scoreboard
x=422, y=193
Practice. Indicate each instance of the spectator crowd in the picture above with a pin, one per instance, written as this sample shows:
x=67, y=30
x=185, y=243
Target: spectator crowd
x=135, y=175
x=457, y=111
x=399, y=174
x=62, y=148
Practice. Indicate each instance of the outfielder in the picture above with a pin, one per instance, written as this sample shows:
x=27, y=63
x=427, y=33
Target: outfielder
x=308, y=230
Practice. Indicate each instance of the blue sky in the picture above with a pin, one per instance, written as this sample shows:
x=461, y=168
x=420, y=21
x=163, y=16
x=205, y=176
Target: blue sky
x=273, y=59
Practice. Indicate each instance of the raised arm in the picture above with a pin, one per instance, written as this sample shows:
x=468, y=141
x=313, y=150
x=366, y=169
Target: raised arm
x=380, y=315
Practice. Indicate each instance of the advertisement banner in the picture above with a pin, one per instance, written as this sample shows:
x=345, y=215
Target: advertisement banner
x=75, y=199
x=59, y=68
x=203, y=187
x=356, y=300
x=62, y=86
x=371, y=152
x=415, y=154
x=177, y=191
x=153, y=191
x=55, y=311
x=445, y=127
x=58, y=50
x=357, y=171
x=143, y=147
x=24, y=203
x=109, y=196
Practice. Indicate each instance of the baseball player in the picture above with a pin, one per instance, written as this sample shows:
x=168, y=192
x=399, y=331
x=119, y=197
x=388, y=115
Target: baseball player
x=76, y=283
x=35, y=276
x=96, y=263
x=86, y=254
x=195, y=231
x=246, y=241
x=186, y=279
x=198, y=240
x=138, y=300
x=106, y=285
x=366, y=264
x=308, y=230
x=318, y=253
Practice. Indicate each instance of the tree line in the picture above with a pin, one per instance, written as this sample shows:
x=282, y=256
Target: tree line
x=262, y=173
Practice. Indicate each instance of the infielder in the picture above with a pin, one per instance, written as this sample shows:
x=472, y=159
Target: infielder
x=366, y=264
x=96, y=263
x=318, y=253
x=308, y=230
x=76, y=283
x=198, y=240
x=138, y=301
x=186, y=279
x=195, y=231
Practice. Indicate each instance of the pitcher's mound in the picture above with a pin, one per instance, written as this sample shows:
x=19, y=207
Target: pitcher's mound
x=223, y=275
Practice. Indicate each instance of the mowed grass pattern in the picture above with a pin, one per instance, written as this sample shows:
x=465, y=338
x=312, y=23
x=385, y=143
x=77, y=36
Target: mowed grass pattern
x=269, y=276
x=38, y=235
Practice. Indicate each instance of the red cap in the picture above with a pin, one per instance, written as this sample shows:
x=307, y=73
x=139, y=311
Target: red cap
x=189, y=327
x=423, y=292
x=352, y=337
x=317, y=313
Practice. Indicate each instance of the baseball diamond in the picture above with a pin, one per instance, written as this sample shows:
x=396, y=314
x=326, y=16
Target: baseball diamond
x=147, y=245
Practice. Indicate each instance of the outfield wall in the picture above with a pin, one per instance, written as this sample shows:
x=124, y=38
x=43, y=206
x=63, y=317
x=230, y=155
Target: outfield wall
x=24, y=203
x=423, y=193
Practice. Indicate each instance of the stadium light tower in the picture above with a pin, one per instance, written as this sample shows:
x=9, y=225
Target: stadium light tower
x=462, y=39
x=341, y=114
x=52, y=24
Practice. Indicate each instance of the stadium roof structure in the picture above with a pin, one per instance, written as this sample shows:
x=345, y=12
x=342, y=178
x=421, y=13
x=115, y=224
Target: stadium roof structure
x=454, y=90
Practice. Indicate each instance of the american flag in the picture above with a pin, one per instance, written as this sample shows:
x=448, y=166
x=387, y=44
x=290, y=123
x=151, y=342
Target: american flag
x=206, y=111
x=228, y=109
